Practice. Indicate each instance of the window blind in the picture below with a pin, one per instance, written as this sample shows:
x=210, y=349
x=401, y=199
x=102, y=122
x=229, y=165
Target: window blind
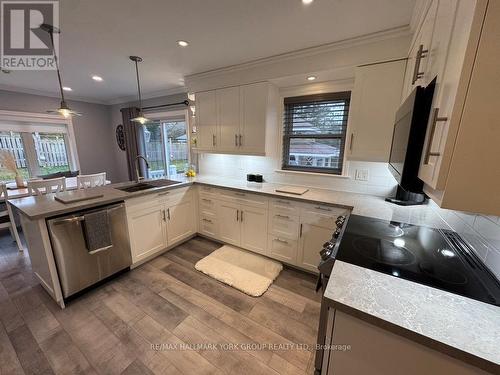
x=314, y=132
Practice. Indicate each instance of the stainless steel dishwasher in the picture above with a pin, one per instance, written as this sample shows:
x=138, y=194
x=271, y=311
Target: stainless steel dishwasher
x=79, y=269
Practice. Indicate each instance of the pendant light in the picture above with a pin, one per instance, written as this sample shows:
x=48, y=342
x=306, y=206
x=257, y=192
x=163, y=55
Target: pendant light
x=140, y=117
x=63, y=109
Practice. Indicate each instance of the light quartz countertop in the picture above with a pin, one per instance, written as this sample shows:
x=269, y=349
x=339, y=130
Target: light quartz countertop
x=465, y=328
x=462, y=327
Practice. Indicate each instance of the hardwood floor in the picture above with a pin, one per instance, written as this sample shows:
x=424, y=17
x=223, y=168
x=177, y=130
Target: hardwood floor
x=161, y=318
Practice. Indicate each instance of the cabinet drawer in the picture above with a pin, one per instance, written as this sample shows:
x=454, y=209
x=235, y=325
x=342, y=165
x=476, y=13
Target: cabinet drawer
x=240, y=197
x=284, y=225
x=208, y=190
x=321, y=215
x=209, y=226
x=284, y=207
x=283, y=249
x=207, y=204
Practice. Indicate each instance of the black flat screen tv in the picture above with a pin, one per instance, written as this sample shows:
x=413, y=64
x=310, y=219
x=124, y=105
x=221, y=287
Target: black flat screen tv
x=408, y=138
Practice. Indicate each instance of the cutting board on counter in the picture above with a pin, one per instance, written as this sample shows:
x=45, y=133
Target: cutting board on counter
x=74, y=196
x=296, y=190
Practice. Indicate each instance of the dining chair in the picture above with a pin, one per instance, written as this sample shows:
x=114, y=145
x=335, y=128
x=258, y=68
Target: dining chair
x=85, y=181
x=7, y=217
x=42, y=187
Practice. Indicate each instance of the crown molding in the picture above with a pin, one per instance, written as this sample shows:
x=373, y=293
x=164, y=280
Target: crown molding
x=306, y=52
x=49, y=94
x=150, y=95
x=119, y=100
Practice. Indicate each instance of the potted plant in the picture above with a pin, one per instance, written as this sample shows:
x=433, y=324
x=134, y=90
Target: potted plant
x=9, y=163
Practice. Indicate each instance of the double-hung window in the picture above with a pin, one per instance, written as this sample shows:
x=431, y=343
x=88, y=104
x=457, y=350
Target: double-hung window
x=315, y=131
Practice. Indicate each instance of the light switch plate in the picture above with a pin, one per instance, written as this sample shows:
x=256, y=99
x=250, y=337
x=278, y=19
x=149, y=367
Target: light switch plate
x=362, y=175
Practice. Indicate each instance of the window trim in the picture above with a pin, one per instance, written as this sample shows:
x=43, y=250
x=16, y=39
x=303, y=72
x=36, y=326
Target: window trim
x=31, y=120
x=302, y=99
x=164, y=116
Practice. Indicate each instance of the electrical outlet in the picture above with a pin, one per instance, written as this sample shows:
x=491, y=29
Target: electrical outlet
x=362, y=175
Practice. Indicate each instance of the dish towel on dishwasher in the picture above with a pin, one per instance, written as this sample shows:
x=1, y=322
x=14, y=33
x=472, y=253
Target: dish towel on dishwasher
x=96, y=231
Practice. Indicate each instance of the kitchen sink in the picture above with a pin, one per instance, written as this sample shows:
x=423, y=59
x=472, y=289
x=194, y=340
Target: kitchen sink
x=147, y=185
x=136, y=187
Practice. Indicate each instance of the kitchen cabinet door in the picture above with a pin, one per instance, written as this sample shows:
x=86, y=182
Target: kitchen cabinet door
x=147, y=232
x=206, y=120
x=419, y=65
x=442, y=127
x=375, y=99
x=228, y=109
x=228, y=215
x=254, y=229
x=181, y=221
x=312, y=238
x=254, y=112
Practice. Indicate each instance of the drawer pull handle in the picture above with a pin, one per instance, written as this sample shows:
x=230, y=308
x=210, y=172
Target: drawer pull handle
x=213, y=140
x=240, y=194
x=164, y=193
x=206, y=200
x=282, y=216
x=417, y=74
x=283, y=202
x=207, y=220
x=237, y=215
x=236, y=140
x=323, y=208
x=435, y=118
x=280, y=240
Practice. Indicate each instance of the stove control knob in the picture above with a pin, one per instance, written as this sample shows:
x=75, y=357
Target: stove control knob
x=336, y=234
x=340, y=221
x=327, y=245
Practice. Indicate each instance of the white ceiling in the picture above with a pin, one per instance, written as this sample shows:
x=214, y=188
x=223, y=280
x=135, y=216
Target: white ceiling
x=99, y=35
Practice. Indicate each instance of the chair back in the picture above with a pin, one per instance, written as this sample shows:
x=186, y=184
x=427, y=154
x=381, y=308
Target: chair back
x=90, y=180
x=3, y=200
x=42, y=187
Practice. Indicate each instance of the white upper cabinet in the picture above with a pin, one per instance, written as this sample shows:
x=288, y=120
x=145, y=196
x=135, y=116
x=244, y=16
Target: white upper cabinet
x=206, y=120
x=228, y=110
x=374, y=101
x=234, y=120
x=254, y=103
x=417, y=73
x=448, y=63
x=459, y=163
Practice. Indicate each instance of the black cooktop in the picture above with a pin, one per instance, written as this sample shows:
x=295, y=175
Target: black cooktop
x=434, y=257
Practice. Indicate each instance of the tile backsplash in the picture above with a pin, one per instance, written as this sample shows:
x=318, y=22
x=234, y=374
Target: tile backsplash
x=380, y=181
x=481, y=231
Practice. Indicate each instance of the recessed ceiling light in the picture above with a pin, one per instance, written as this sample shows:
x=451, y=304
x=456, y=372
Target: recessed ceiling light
x=65, y=88
x=182, y=43
x=311, y=78
x=307, y=2
x=97, y=78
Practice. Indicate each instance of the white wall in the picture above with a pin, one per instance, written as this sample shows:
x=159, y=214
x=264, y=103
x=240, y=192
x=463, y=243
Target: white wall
x=92, y=130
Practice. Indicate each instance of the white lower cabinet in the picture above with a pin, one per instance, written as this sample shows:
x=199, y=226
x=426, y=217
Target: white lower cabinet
x=282, y=248
x=181, y=223
x=155, y=225
x=311, y=242
x=243, y=226
x=253, y=222
x=147, y=231
x=229, y=230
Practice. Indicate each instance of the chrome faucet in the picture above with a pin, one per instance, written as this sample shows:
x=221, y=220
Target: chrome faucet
x=139, y=177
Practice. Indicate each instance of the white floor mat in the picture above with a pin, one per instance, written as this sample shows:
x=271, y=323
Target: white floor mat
x=248, y=272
